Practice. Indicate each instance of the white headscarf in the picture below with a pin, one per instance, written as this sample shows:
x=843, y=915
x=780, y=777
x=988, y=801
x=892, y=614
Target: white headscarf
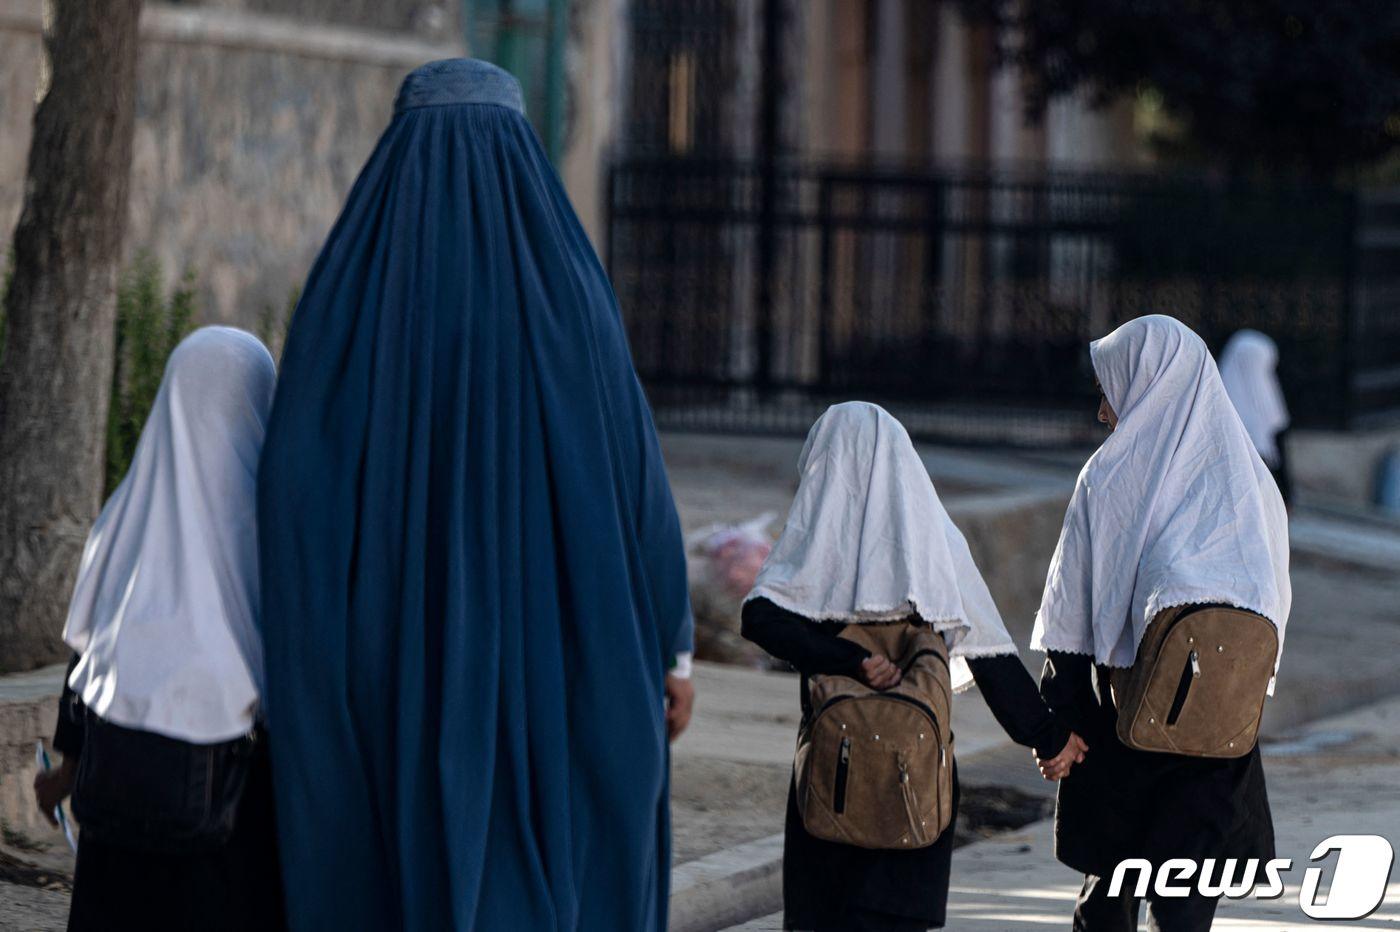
x=1175, y=508
x=868, y=540
x=163, y=614
x=1248, y=367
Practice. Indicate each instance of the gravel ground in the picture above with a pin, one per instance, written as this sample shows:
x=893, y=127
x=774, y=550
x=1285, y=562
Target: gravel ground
x=27, y=909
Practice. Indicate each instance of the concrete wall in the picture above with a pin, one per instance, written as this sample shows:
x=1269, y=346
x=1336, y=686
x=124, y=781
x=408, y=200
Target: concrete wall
x=891, y=80
x=250, y=130
x=28, y=712
x=596, y=65
x=1332, y=466
x=1012, y=535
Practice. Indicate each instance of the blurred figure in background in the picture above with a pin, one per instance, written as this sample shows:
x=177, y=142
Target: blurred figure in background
x=474, y=581
x=1249, y=370
x=1387, y=496
x=159, y=724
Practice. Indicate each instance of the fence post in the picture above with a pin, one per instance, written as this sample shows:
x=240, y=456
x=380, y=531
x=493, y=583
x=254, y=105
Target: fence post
x=825, y=270
x=1350, y=330
x=768, y=142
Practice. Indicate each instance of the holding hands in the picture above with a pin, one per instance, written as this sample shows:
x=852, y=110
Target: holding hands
x=1058, y=767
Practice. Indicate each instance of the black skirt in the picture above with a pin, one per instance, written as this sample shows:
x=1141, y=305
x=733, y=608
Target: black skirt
x=829, y=886
x=234, y=888
x=1124, y=803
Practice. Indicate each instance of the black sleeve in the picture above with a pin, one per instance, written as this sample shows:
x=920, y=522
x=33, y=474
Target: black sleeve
x=810, y=647
x=1067, y=685
x=68, y=733
x=1017, y=706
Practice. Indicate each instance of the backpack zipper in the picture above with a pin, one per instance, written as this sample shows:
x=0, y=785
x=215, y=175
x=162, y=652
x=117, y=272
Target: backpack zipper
x=843, y=768
x=911, y=801
x=1190, y=672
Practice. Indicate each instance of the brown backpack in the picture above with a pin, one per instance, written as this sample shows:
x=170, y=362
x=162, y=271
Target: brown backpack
x=1199, y=682
x=874, y=768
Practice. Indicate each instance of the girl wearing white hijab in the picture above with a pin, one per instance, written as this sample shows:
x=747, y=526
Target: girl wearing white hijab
x=1249, y=371
x=867, y=540
x=1175, y=508
x=168, y=662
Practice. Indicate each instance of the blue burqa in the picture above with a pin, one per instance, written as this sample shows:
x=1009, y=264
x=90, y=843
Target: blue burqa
x=473, y=575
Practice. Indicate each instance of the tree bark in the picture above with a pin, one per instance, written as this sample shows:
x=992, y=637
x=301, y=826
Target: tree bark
x=56, y=372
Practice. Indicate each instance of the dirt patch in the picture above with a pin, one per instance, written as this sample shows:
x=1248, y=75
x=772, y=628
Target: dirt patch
x=985, y=811
x=24, y=873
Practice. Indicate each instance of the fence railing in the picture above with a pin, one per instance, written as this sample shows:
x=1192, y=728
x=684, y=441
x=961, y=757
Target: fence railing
x=966, y=298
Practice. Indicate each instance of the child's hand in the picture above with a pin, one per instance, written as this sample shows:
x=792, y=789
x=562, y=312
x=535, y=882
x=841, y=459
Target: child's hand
x=52, y=787
x=877, y=672
x=1058, y=767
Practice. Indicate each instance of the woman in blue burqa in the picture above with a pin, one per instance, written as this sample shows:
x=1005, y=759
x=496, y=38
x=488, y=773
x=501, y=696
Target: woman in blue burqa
x=474, y=583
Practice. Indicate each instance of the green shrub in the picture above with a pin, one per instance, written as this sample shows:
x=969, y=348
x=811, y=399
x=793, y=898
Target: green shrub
x=273, y=323
x=149, y=326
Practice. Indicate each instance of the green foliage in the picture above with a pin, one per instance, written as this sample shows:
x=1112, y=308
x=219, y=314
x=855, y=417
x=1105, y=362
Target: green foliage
x=1254, y=84
x=274, y=323
x=149, y=326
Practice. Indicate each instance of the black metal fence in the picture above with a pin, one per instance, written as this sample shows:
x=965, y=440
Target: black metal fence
x=965, y=299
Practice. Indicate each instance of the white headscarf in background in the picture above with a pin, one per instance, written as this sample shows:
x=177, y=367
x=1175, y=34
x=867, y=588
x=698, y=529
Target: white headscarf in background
x=1175, y=508
x=1248, y=368
x=868, y=540
x=163, y=614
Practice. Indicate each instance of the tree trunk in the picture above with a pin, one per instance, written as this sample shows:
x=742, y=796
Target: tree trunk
x=56, y=372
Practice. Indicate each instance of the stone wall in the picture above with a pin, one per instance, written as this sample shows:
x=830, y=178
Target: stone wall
x=432, y=19
x=254, y=116
x=250, y=130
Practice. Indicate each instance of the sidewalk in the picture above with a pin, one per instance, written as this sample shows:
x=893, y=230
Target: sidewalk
x=1354, y=541
x=1337, y=777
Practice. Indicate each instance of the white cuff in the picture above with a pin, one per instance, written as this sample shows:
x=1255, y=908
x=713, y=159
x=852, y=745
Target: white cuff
x=683, y=667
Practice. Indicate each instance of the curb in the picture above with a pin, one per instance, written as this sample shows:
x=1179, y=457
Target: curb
x=728, y=887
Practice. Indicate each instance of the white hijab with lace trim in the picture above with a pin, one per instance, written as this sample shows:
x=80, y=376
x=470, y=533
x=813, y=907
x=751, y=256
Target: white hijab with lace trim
x=163, y=613
x=1175, y=508
x=868, y=540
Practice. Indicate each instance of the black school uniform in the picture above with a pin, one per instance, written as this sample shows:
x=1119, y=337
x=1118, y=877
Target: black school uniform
x=235, y=888
x=1124, y=803
x=829, y=886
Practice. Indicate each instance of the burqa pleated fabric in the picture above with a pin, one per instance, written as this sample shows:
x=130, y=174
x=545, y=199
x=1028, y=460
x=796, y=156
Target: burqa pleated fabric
x=473, y=570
